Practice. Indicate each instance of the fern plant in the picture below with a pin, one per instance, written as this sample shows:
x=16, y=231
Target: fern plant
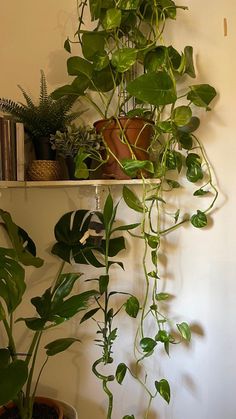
x=44, y=118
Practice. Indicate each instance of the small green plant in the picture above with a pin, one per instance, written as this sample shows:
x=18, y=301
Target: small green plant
x=69, y=142
x=43, y=118
x=18, y=377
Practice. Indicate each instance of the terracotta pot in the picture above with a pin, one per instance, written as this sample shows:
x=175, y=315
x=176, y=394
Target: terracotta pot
x=135, y=132
x=41, y=400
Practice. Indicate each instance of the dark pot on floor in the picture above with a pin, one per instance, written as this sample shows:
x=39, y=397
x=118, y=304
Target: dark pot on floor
x=120, y=135
x=44, y=407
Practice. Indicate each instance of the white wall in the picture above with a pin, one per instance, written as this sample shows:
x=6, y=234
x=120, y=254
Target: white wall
x=201, y=263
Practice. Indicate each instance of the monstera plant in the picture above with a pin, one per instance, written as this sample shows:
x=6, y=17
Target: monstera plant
x=19, y=371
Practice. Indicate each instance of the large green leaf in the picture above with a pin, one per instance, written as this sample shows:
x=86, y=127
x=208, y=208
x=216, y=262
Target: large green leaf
x=69, y=230
x=100, y=60
x=115, y=246
x=120, y=372
x=189, y=65
x=194, y=168
x=163, y=389
x=5, y=357
x=199, y=220
x=12, y=379
x=168, y=8
x=104, y=80
x=21, y=242
x=123, y=59
x=192, y=125
x=65, y=90
x=12, y=281
x=182, y=115
x=74, y=304
x=77, y=65
x=92, y=43
x=201, y=95
x=154, y=88
x=108, y=211
x=155, y=59
x=147, y=344
x=184, y=330
x=59, y=345
x=95, y=8
x=132, y=200
x=133, y=167
x=132, y=306
x=112, y=19
x=64, y=285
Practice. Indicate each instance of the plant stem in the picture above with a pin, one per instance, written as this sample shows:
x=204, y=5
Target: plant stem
x=12, y=346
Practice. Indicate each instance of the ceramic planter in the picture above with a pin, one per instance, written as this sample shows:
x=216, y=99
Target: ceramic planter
x=43, y=150
x=122, y=135
x=5, y=411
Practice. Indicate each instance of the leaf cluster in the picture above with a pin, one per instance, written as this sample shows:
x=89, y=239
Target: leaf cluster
x=44, y=118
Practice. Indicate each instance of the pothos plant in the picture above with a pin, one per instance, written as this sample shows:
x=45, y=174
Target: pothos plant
x=20, y=371
x=125, y=62
x=179, y=168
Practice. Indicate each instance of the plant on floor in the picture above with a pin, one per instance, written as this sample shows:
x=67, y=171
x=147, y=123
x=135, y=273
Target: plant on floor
x=127, y=65
x=18, y=378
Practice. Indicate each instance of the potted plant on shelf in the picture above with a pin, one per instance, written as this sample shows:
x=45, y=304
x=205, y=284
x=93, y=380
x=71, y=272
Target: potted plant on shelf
x=40, y=121
x=18, y=377
x=73, y=145
x=132, y=80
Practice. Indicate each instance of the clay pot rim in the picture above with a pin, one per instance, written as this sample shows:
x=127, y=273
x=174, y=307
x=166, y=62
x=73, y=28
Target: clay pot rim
x=127, y=118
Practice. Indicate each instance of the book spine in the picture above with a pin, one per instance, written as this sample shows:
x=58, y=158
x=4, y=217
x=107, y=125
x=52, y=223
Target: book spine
x=8, y=151
x=20, y=151
x=1, y=141
x=13, y=149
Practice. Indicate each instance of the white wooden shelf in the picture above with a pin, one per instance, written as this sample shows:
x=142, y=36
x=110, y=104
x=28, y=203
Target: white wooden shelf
x=73, y=183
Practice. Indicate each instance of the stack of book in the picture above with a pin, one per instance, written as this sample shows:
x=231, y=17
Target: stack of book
x=12, y=153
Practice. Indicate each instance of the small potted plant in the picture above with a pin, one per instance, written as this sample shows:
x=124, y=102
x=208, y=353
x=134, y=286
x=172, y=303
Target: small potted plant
x=72, y=144
x=42, y=119
x=133, y=80
x=18, y=377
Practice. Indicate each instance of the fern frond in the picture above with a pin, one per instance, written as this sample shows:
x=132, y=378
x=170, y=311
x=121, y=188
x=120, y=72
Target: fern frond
x=43, y=98
x=28, y=99
x=9, y=106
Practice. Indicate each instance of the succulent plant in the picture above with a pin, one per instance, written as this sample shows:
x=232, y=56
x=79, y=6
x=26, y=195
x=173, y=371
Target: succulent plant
x=69, y=142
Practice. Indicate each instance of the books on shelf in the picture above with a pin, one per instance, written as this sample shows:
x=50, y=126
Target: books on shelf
x=12, y=159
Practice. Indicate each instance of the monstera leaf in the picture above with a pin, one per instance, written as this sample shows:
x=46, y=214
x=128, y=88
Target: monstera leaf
x=21, y=242
x=73, y=241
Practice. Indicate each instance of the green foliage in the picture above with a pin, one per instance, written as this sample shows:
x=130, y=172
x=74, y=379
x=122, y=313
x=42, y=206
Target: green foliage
x=55, y=306
x=69, y=142
x=108, y=59
x=44, y=118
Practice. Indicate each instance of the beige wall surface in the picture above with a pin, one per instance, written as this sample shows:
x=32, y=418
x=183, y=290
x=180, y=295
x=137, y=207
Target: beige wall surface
x=201, y=264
